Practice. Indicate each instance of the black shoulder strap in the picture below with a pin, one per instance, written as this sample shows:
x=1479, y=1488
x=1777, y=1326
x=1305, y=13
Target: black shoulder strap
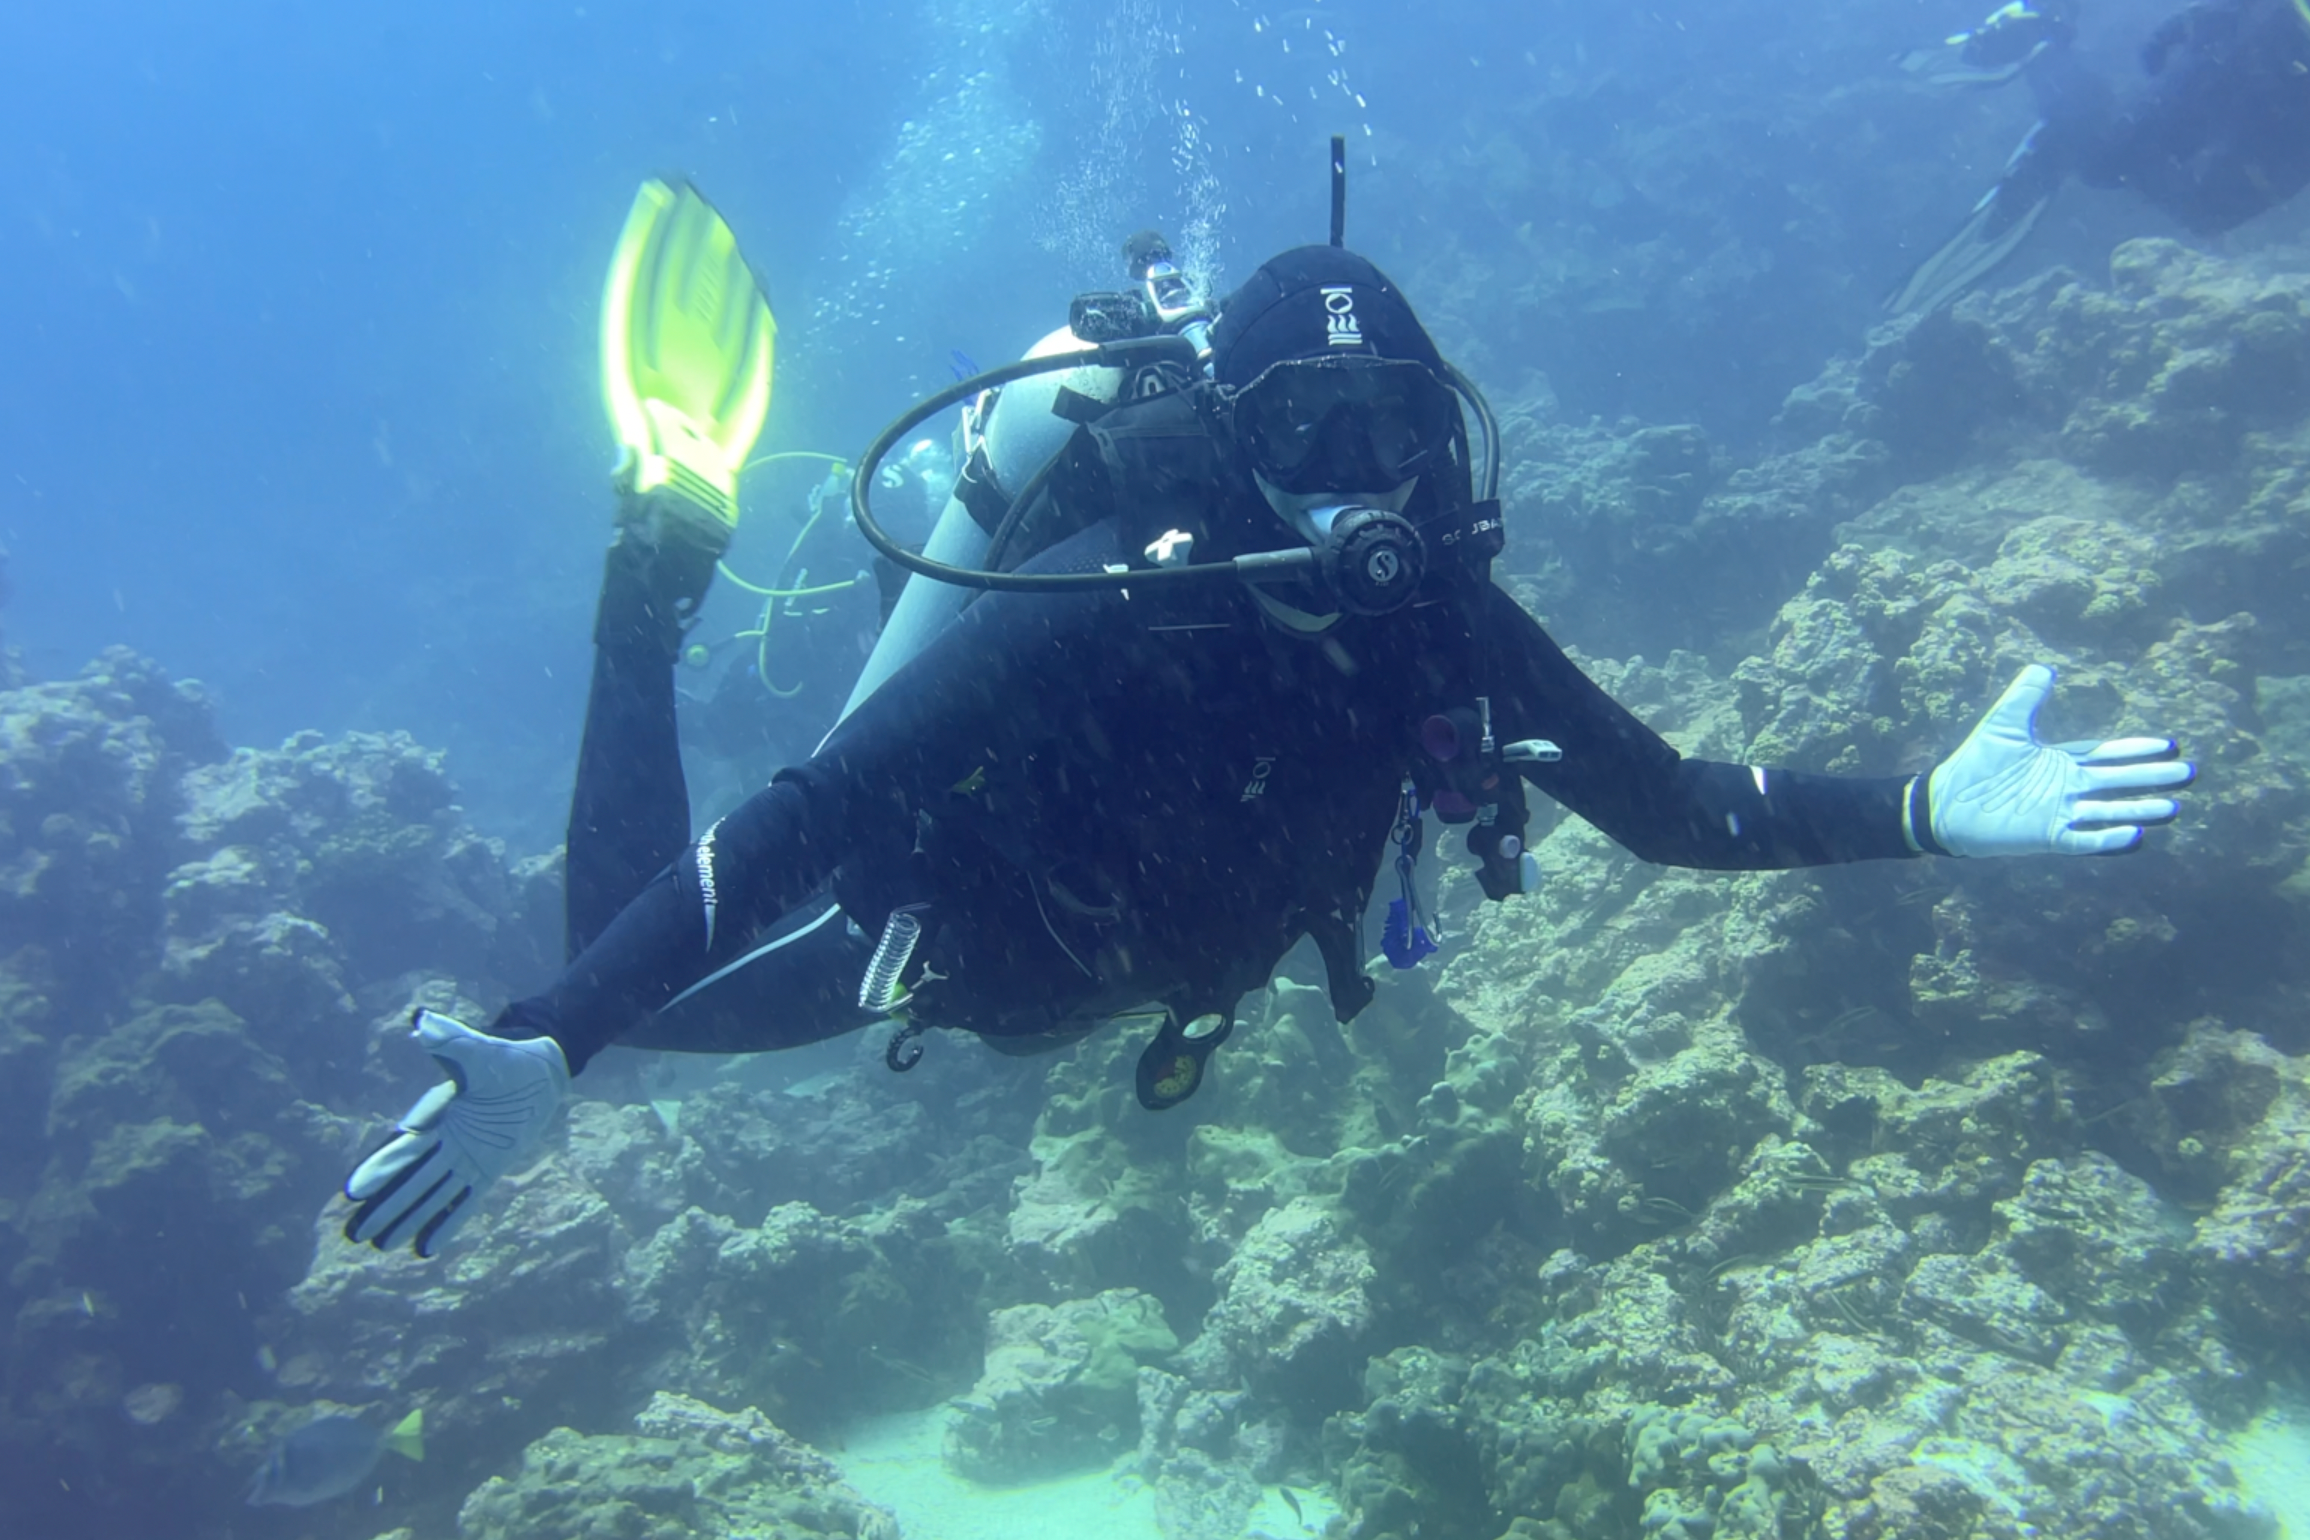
x=1167, y=468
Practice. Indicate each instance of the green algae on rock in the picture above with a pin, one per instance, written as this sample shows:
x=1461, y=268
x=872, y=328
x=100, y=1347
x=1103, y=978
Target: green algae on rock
x=1060, y=1387
x=687, y=1469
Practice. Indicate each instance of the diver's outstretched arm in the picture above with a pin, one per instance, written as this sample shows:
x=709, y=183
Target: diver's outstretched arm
x=726, y=898
x=2002, y=793
x=767, y=857
x=1631, y=783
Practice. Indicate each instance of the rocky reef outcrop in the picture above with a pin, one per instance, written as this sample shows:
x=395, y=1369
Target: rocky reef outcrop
x=1060, y=1386
x=686, y=1469
x=203, y=952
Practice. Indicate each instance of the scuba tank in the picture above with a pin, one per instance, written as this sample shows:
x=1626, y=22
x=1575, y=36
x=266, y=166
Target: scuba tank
x=1012, y=431
x=1008, y=433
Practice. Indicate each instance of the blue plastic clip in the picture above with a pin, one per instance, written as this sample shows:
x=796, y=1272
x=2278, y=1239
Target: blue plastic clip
x=1404, y=942
x=1405, y=939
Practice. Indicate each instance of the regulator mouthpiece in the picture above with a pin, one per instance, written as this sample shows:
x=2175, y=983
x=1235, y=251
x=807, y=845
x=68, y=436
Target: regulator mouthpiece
x=1372, y=560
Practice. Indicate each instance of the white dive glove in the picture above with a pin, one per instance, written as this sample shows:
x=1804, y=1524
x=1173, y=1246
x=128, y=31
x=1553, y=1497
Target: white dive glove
x=2003, y=793
x=461, y=1136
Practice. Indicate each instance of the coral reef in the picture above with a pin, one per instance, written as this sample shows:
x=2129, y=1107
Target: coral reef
x=686, y=1469
x=1060, y=1386
x=1917, y=1199
x=203, y=952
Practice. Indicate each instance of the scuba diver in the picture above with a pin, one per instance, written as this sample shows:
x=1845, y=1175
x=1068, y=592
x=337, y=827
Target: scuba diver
x=2219, y=132
x=1205, y=631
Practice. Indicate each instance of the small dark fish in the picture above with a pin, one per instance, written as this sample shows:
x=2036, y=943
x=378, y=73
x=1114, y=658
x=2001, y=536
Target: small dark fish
x=329, y=1457
x=963, y=365
x=1291, y=1501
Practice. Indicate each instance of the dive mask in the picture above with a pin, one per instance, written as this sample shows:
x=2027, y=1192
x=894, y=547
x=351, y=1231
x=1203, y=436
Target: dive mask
x=1314, y=424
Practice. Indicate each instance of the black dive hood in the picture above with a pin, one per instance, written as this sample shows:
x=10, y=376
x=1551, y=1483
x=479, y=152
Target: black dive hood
x=1317, y=313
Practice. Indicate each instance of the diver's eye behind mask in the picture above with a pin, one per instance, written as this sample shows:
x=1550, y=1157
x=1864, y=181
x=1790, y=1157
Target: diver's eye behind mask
x=1334, y=423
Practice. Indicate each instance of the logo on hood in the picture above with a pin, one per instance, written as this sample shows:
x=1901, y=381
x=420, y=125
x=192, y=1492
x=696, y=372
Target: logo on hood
x=1261, y=768
x=1339, y=317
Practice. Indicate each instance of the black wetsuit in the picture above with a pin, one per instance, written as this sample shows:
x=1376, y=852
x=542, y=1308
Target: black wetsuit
x=630, y=811
x=1113, y=800
x=2221, y=132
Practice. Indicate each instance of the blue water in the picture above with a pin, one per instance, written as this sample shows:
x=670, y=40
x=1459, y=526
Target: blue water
x=299, y=332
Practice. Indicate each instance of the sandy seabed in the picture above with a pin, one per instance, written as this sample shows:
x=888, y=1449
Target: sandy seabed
x=894, y=1461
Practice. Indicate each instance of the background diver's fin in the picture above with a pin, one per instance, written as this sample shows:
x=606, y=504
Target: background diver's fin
x=2000, y=222
x=1945, y=68
x=1970, y=256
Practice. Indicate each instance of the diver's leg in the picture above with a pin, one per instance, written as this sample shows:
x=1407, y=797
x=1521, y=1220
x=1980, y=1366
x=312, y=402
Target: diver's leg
x=686, y=363
x=2079, y=123
x=630, y=809
x=777, y=852
x=798, y=984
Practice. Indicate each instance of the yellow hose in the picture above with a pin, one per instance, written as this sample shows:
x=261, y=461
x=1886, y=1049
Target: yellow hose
x=784, y=593
x=773, y=596
x=836, y=461
x=762, y=656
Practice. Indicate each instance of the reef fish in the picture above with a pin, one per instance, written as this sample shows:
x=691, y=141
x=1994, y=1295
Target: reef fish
x=329, y=1457
x=819, y=1085
x=151, y=1404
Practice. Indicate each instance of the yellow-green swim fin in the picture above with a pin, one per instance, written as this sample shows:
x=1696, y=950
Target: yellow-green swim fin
x=687, y=343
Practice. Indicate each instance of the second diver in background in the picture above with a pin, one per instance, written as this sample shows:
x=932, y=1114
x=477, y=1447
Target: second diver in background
x=790, y=670
x=2217, y=133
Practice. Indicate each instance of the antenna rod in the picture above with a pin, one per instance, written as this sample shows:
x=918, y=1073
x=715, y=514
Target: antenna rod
x=1339, y=189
